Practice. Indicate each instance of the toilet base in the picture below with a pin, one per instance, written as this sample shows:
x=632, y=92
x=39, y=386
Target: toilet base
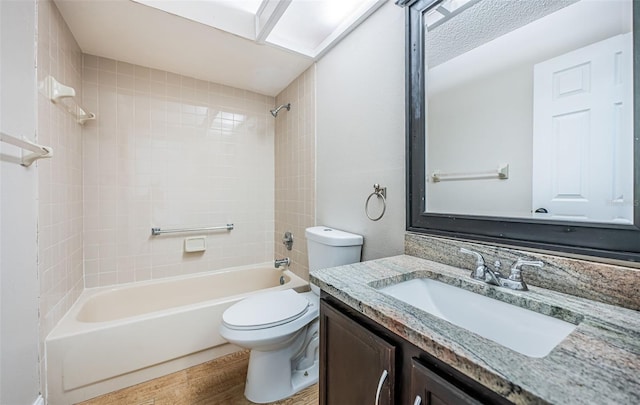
x=274, y=375
x=259, y=392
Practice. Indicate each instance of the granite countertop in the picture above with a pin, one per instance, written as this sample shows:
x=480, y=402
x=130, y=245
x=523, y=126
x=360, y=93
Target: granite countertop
x=598, y=363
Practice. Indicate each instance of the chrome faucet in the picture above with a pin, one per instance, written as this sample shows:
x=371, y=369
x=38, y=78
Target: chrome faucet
x=282, y=262
x=515, y=280
x=482, y=272
x=494, y=277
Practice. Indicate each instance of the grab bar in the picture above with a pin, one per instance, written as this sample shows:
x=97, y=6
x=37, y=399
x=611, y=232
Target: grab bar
x=158, y=231
x=39, y=151
x=501, y=173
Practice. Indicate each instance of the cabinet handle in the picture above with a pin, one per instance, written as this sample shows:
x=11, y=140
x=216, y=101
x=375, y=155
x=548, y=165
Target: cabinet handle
x=418, y=400
x=382, y=378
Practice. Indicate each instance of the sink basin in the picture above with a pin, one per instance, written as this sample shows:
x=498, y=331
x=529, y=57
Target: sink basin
x=519, y=329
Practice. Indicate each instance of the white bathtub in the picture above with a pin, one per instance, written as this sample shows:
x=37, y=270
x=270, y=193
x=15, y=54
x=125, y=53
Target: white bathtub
x=116, y=337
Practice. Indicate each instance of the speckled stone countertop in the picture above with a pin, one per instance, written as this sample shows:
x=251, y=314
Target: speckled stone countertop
x=598, y=363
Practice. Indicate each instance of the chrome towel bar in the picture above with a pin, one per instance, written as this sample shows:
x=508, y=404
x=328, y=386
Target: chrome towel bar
x=158, y=231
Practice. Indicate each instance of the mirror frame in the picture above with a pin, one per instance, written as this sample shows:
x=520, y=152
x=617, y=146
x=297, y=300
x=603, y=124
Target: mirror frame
x=612, y=241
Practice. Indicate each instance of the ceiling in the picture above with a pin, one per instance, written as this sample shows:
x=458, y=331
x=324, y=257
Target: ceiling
x=239, y=43
x=541, y=25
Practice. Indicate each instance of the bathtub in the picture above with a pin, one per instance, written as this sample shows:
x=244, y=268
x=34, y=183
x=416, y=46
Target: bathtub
x=115, y=337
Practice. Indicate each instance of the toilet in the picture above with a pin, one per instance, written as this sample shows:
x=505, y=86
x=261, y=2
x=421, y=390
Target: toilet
x=281, y=327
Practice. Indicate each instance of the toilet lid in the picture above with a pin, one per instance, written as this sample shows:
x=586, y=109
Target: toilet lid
x=266, y=310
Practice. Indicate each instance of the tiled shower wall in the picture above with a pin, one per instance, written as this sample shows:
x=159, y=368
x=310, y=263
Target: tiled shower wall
x=295, y=169
x=60, y=178
x=171, y=151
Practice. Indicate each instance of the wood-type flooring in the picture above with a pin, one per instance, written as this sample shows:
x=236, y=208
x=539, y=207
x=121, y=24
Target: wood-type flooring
x=217, y=382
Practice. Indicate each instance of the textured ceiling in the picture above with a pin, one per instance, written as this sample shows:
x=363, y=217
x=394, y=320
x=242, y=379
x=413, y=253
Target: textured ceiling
x=544, y=38
x=477, y=25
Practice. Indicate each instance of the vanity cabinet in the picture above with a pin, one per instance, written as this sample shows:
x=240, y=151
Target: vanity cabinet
x=359, y=366
x=428, y=388
x=355, y=352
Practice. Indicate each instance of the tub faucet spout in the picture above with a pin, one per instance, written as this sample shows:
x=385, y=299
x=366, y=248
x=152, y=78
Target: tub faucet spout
x=282, y=262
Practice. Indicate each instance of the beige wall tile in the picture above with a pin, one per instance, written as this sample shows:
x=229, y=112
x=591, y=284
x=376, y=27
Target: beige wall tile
x=60, y=259
x=171, y=151
x=295, y=169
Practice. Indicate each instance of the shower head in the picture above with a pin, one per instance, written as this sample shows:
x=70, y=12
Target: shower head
x=275, y=111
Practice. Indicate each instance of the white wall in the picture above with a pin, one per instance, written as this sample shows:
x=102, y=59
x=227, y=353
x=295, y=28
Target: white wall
x=18, y=209
x=474, y=127
x=360, y=131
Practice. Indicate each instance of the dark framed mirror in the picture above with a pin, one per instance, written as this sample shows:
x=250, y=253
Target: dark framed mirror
x=484, y=186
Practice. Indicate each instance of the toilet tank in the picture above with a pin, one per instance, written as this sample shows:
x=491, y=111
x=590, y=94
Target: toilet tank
x=328, y=247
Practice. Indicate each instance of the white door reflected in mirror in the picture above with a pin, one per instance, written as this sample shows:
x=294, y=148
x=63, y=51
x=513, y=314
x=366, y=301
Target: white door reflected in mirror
x=582, y=118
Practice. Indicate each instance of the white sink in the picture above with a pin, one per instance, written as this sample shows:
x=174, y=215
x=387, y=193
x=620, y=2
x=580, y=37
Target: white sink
x=519, y=329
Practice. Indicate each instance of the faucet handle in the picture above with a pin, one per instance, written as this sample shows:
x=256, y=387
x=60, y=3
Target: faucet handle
x=479, y=272
x=286, y=262
x=479, y=258
x=516, y=271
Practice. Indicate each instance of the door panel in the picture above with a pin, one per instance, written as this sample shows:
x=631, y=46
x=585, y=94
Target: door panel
x=427, y=388
x=582, y=140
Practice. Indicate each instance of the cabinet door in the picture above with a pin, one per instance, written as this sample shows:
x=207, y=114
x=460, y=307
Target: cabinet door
x=356, y=366
x=428, y=388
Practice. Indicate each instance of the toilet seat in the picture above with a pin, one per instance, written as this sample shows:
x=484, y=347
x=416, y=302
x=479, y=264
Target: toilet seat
x=265, y=310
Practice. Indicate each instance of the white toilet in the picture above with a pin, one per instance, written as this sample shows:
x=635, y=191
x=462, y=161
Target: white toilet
x=281, y=327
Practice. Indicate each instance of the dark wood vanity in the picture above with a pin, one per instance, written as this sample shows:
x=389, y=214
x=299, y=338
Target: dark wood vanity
x=355, y=352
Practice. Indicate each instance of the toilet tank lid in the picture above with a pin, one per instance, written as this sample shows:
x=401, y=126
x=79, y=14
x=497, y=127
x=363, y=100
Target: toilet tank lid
x=333, y=237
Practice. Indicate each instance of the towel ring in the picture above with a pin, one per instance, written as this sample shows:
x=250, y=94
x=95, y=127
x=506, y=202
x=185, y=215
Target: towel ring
x=380, y=192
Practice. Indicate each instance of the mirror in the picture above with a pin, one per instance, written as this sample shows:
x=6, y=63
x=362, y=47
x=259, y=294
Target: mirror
x=541, y=125
x=521, y=123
